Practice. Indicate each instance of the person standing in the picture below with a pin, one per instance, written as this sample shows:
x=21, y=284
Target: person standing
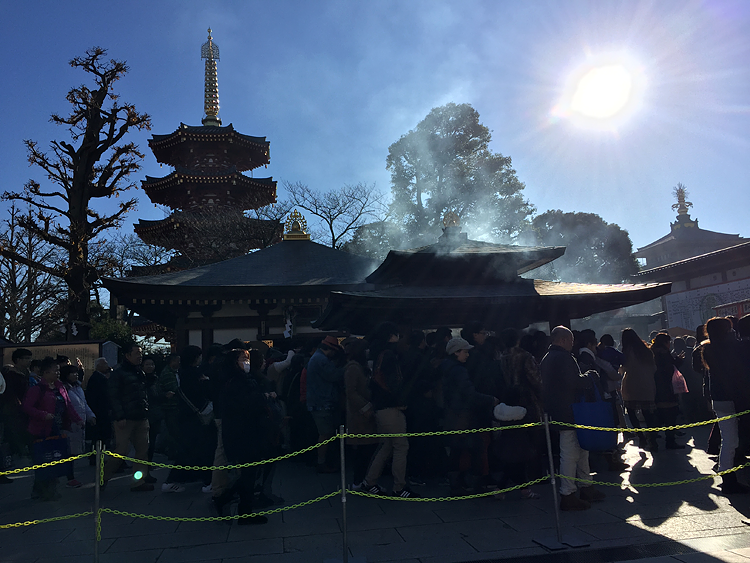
x=727, y=366
x=324, y=385
x=639, y=386
x=562, y=385
x=50, y=413
x=97, y=398
x=16, y=386
x=69, y=377
x=166, y=386
x=129, y=405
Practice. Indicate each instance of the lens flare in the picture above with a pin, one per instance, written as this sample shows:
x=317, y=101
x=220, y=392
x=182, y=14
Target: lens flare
x=602, y=92
x=138, y=475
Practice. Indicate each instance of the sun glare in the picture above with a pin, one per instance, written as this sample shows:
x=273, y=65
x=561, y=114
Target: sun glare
x=601, y=93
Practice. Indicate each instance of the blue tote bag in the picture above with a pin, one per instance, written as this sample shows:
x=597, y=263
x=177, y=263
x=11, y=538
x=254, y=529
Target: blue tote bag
x=595, y=413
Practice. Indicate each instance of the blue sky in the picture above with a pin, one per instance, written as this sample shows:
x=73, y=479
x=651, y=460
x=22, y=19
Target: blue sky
x=333, y=84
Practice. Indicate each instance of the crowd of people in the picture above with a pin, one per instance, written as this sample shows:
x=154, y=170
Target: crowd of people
x=236, y=403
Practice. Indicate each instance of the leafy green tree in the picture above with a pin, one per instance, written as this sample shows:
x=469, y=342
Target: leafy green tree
x=95, y=164
x=445, y=164
x=596, y=251
x=376, y=240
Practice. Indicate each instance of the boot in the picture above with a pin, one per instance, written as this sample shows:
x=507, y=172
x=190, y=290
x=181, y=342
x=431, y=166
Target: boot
x=456, y=485
x=591, y=494
x=730, y=485
x=572, y=502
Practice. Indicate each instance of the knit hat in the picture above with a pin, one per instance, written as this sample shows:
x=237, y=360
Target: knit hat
x=332, y=342
x=456, y=344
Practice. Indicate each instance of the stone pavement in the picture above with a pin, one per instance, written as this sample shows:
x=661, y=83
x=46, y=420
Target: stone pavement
x=691, y=523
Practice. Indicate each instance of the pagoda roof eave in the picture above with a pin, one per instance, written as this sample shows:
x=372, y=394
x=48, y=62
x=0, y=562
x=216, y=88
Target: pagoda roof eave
x=733, y=256
x=511, y=304
x=202, y=132
x=473, y=258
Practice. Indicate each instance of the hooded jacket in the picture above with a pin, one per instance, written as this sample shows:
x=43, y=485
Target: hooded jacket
x=40, y=401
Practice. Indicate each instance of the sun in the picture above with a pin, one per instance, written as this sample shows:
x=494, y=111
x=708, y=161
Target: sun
x=602, y=93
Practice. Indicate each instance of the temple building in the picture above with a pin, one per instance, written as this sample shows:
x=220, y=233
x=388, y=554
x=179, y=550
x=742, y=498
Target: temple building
x=456, y=281
x=207, y=191
x=267, y=295
x=685, y=239
x=707, y=270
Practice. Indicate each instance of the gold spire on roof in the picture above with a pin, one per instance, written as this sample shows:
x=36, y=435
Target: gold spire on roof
x=295, y=227
x=681, y=193
x=210, y=52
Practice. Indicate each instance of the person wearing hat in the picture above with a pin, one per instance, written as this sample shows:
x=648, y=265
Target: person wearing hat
x=324, y=383
x=465, y=407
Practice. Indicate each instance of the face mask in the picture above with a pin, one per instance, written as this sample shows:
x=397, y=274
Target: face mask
x=246, y=367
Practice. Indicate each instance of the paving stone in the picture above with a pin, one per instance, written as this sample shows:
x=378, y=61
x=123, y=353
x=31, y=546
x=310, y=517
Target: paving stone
x=713, y=557
x=221, y=551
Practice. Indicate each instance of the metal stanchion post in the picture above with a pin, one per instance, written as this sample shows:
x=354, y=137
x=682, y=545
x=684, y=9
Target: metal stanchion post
x=551, y=543
x=97, y=492
x=343, y=494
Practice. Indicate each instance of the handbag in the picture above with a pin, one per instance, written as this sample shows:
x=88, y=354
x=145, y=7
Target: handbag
x=595, y=413
x=679, y=385
x=205, y=415
x=49, y=449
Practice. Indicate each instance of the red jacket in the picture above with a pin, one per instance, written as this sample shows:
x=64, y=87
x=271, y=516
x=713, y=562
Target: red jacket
x=40, y=401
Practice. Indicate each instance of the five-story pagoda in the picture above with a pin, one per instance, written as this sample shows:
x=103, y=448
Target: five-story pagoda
x=207, y=192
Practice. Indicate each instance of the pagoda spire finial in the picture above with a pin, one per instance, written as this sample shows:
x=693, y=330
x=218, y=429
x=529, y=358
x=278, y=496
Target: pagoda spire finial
x=210, y=52
x=680, y=192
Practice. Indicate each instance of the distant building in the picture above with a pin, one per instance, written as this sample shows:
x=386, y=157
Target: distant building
x=685, y=239
x=707, y=269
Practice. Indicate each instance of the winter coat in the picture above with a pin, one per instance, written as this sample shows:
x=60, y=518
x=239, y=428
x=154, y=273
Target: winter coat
x=245, y=421
x=40, y=400
x=324, y=380
x=465, y=407
x=126, y=390
x=562, y=383
x=97, y=399
x=728, y=367
x=638, y=383
x=665, y=364
x=359, y=409
x=165, y=383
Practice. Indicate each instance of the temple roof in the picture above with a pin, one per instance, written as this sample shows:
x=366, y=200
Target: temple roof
x=245, y=151
x=502, y=305
x=291, y=263
x=455, y=258
x=725, y=259
x=692, y=235
x=256, y=192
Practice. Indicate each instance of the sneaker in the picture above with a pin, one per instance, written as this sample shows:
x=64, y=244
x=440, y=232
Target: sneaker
x=572, y=502
x=74, y=484
x=207, y=489
x=592, y=494
x=171, y=488
x=416, y=482
x=371, y=489
x=142, y=488
x=405, y=493
x=358, y=487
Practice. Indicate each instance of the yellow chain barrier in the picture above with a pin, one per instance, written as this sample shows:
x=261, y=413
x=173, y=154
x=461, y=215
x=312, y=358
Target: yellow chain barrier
x=440, y=499
x=48, y=464
x=218, y=518
x=44, y=520
x=657, y=429
x=444, y=432
x=212, y=468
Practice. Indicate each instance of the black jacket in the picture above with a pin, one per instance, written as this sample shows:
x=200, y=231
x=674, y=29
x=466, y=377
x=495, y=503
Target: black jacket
x=126, y=388
x=245, y=422
x=562, y=383
x=465, y=407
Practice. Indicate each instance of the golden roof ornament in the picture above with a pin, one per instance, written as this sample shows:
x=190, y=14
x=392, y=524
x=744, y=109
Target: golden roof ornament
x=451, y=219
x=210, y=52
x=295, y=227
x=681, y=193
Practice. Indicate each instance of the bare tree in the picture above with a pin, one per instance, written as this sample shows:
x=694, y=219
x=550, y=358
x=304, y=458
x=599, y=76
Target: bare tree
x=341, y=212
x=33, y=302
x=95, y=165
